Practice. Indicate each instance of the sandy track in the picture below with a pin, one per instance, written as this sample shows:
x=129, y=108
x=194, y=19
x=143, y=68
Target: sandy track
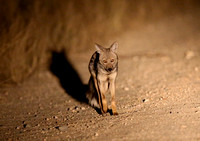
x=158, y=89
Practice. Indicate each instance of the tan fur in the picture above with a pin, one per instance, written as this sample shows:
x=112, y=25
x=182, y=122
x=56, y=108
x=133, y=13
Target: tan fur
x=103, y=68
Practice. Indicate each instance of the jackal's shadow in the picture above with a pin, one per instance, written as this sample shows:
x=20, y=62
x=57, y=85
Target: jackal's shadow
x=68, y=77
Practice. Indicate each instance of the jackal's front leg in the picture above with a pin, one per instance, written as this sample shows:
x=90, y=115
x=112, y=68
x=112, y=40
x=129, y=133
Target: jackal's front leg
x=97, y=88
x=113, y=103
x=103, y=87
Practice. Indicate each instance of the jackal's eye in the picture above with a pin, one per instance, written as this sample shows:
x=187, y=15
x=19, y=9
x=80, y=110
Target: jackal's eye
x=112, y=60
x=105, y=61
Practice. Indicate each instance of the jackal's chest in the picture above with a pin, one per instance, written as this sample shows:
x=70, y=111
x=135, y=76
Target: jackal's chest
x=106, y=77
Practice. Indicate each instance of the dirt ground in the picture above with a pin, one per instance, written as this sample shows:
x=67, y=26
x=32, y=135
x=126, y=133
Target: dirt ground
x=157, y=92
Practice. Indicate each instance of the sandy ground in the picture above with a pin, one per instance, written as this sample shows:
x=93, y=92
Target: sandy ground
x=157, y=92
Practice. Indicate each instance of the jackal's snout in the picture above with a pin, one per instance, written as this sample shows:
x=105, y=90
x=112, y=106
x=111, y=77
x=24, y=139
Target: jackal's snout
x=109, y=69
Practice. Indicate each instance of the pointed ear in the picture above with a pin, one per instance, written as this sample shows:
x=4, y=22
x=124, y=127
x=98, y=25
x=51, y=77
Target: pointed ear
x=99, y=48
x=114, y=47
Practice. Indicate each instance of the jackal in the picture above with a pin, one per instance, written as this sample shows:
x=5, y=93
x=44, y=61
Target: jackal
x=103, y=67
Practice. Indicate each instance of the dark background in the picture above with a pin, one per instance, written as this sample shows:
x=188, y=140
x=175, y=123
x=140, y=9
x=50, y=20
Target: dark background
x=31, y=30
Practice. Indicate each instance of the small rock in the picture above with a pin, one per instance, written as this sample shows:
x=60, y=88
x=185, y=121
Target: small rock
x=70, y=109
x=41, y=108
x=189, y=54
x=145, y=100
x=76, y=108
x=73, y=111
x=82, y=108
x=96, y=134
x=55, y=117
x=125, y=106
x=91, y=121
x=62, y=128
x=126, y=89
x=26, y=125
x=18, y=127
x=47, y=119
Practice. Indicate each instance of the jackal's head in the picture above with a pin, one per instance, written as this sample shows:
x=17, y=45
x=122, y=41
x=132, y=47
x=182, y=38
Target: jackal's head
x=108, y=58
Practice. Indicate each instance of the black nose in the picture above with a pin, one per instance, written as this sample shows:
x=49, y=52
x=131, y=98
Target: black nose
x=109, y=69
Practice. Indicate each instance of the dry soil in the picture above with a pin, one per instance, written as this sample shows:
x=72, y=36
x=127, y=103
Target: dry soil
x=157, y=92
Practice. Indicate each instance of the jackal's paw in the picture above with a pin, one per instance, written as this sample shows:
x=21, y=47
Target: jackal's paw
x=105, y=110
x=115, y=113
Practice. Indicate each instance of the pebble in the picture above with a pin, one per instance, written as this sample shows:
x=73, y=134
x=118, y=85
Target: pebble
x=145, y=100
x=126, y=89
x=82, y=108
x=76, y=108
x=47, y=119
x=18, y=127
x=96, y=134
x=91, y=121
x=70, y=109
x=41, y=108
x=25, y=125
x=62, y=128
x=55, y=117
x=126, y=106
x=189, y=54
x=73, y=111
